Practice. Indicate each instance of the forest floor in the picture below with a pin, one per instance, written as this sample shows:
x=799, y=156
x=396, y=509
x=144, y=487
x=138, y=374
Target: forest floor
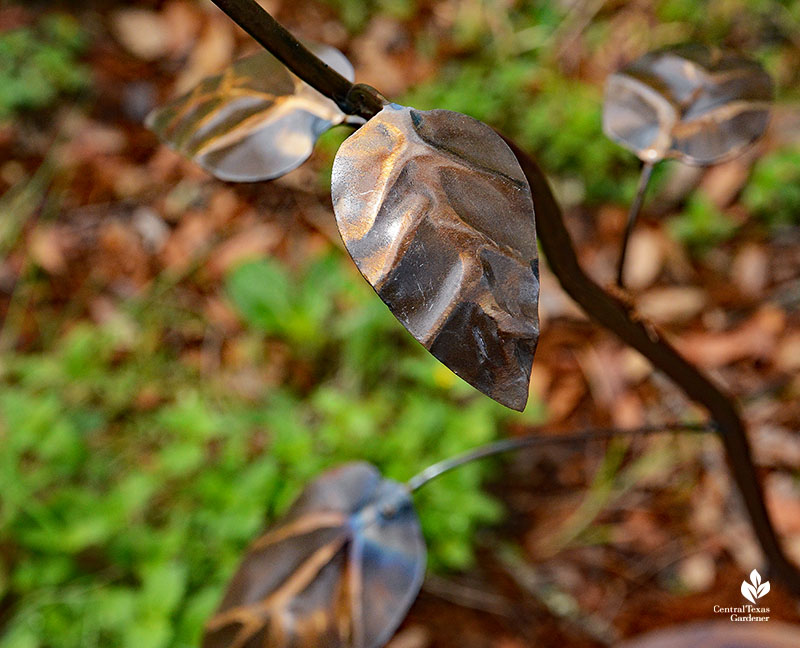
x=102, y=227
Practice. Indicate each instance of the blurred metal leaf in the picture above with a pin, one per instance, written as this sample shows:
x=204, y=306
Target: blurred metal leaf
x=340, y=570
x=438, y=216
x=255, y=121
x=691, y=102
x=720, y=634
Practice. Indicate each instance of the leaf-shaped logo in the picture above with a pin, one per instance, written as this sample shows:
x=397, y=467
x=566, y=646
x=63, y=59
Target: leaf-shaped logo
x=340, y=570
x=438, y=216
x=749, y=592
x=689, y=102
x=755, y=589
x=255, y=121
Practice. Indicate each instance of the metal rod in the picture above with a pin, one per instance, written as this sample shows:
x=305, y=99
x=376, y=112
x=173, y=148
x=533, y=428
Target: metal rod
x=537, y=439
x=633, y=215
x=353, y=99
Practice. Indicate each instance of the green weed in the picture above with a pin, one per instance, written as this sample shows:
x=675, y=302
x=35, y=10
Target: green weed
x=700, y=225
x=773, y=193
x=131, y=482
x=40, y=63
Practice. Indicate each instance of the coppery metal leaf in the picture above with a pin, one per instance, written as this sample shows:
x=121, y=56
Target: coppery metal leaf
x=721, y=634
x=255, y=121
x=340, y=570
x=438, y=216
x=691, y=102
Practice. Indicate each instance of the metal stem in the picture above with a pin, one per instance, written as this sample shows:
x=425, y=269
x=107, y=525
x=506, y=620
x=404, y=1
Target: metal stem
x=537, y=439
x=353, y=99
x=633, y=214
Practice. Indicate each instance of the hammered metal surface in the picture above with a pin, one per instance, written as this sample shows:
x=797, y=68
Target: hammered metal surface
x=340, y=570
x=721, y=634
x=255, y=121
x=438, y=216
x=693, y=103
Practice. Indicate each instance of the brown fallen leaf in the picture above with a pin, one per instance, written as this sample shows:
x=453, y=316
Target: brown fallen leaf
x=755, y=339
x=87, y=141
x=783, y=502
x=635, y=367
x=628, y=410
x=600, y=365
x=787, y=355
x=774, y=445
x=750, y=270
x=723, y=182
x=641, y=530
x=253, y=242
x=45, y=245
x=379, y=56
x=645, y=258
x=564, y=397
x=121, y=255
x=412, y=637
x=183, y=24
x=189, y=240
x=212, y=52
x=142, y=32
x=673, y=304
x=698, y=571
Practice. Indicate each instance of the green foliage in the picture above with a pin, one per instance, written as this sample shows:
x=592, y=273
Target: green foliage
x=701, y=225
x=38, y=64
x=773, y=193
x=131, y=482
x=356, y=13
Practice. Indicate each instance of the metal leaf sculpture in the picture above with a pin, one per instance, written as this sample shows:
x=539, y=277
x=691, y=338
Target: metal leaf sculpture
x=438, y=216
x=255, y=121
x=340, y=570
x=721, y=634
x=690, y=102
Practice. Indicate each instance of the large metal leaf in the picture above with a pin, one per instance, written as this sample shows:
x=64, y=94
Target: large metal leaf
x=340, y=570
x=690, y=102
x=255, y=121
x=438, y=216
x=721, y=634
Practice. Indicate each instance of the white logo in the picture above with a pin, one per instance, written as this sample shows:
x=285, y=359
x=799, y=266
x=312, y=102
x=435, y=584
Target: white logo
x=755, y=589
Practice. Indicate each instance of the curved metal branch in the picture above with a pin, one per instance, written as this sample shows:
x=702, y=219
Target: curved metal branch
x=633, y=215
x=623, y=321
x=557, y=246
x=353, y=99
x=536, y=439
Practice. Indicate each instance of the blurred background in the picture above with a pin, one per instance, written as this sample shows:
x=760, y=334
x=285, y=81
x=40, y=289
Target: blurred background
x=178, y=356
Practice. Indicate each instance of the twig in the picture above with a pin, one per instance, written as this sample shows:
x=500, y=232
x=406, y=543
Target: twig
x=556, y=600
x=467, y=596
x=558, y=248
